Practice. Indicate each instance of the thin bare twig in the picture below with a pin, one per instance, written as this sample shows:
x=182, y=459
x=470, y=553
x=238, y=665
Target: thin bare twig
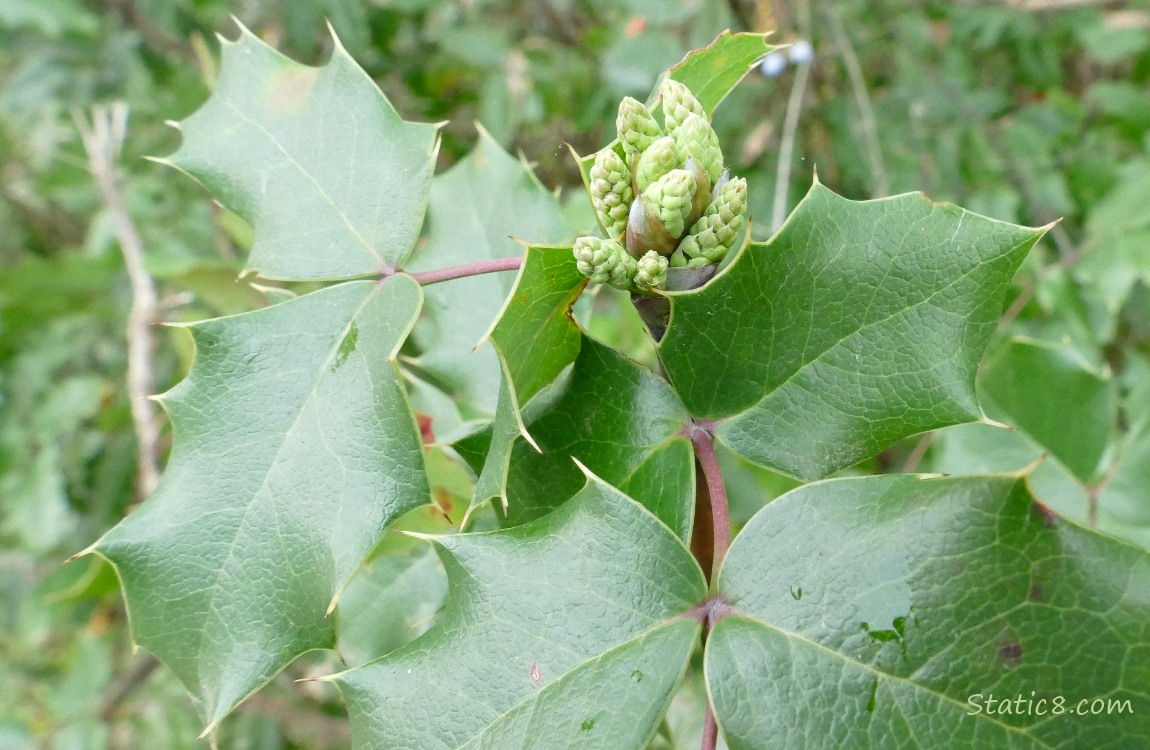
x=880, y=183
x=102, y=139
x=915, y=457
x=790, y=127
x=119, y=690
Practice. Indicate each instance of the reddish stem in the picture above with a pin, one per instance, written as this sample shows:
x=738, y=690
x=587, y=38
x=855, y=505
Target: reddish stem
x=710, y=729
x=467, y=269
x=703, y=439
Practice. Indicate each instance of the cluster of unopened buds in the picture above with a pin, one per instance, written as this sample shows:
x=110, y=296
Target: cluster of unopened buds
x=662, y=195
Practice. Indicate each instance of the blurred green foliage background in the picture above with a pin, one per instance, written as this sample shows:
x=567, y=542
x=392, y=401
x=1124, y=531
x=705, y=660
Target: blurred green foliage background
x=1024, y=110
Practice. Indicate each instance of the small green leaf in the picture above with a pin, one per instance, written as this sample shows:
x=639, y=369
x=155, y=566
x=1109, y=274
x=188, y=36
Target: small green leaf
x=294, y=450
x=1042, y=389
x=477, y=210
x=917, y=601
x=858, y=324
x=535, y=338
x=712, y=72
x=566, y=632
x=613, y=416
x=535, y=332
x=315, y=159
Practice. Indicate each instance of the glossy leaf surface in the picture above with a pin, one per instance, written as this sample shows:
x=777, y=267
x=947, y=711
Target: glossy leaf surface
x=917, y=602
x=566, y=632
x=614, y=417
x=535, y=338
x=857, y=325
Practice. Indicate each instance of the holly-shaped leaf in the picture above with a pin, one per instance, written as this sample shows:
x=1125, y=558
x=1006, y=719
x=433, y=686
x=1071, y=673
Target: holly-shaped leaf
x=294, y=449
x=571, y=631
x=333, y=181
x=858, y=324
x=944, y=612
x=478, y=209
x=621, y=421
x=535, y=338
x=713, y=71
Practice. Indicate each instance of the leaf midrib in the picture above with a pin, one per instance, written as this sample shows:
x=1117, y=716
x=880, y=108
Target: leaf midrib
x=363, y=243
x=211, y=610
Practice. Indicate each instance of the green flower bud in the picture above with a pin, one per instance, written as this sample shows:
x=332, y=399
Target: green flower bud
x=652, y=272
x=703, y=196
x=637, y=126
x=645, y=231
x=623, y=275
x=671, y=198
x=714, y=233
x=678, y=102
x=659, y=159
x=604, y=261
x=611, y=192
x=696, y=139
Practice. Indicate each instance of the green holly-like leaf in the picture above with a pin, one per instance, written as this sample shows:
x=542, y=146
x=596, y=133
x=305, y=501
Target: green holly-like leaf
x=918, y=601
x=1042, y=388
x=620, y=420
x=571, y=631
x=294, y=449
x=477, y=209
x=712, y=72
x=858, y=324
x=316, y=159
x=535, y=338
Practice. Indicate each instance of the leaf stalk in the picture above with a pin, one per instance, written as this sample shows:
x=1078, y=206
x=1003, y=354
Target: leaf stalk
x=467, y=269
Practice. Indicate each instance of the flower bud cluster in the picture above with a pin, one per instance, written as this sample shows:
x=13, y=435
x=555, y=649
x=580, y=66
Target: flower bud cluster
x=664, y=198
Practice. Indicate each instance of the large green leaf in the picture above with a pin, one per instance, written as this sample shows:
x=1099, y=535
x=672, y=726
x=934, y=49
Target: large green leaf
x=332, y=179
x=294, y=449
x=858, y=324
x=888, y=611
x=620, y=420
x=478, y=209
x=566, y=632
x=535, y=339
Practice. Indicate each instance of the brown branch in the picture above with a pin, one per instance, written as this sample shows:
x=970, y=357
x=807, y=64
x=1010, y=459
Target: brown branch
x=153, y=35
x=102, y=139
x=119, y=690
x=467, y=269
